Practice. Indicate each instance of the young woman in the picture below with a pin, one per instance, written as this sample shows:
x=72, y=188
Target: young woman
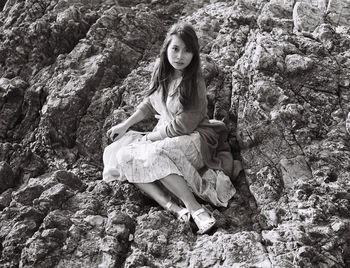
x=181, y=153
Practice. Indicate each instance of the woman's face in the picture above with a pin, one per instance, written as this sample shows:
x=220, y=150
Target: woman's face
x=179, y=56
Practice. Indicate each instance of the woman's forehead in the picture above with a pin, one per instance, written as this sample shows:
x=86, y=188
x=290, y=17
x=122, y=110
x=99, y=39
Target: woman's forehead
x=177, y=41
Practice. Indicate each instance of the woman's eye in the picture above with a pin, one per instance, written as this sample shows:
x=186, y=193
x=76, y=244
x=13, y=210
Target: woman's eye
x=175, y=49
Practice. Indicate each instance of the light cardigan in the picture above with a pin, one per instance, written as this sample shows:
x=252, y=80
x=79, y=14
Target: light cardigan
x=175, y=121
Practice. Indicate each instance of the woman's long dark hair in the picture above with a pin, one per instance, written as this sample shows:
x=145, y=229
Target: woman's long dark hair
x=163, y=70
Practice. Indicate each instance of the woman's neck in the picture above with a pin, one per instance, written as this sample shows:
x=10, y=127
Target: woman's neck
x=176, y=74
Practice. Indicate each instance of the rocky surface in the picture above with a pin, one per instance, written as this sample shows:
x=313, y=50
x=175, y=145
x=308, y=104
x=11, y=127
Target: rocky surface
x=277, y=73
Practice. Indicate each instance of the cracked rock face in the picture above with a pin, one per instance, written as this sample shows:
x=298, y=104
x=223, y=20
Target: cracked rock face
x=276, y=72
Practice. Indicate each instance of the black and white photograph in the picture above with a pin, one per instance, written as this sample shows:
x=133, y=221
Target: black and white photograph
x=174, y=133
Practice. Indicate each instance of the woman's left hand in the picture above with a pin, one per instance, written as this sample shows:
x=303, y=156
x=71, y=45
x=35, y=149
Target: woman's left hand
x=116, y=132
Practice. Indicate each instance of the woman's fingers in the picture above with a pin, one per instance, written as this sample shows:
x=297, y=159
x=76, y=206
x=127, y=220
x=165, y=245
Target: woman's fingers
x=116, y=132
x=115, y=136
x=111, y=133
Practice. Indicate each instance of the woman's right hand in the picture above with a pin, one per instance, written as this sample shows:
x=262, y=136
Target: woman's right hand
x=117, y=131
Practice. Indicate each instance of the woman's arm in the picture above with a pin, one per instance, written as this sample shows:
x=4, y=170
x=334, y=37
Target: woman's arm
x=136, y=117
x=183, y=124
x=117, y=131
x=144, y=110
x=154, y=136
x=187, y=121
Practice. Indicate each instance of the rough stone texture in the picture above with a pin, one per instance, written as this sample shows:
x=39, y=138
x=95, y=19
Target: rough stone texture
x=277, y=73
x=7, y=178
x=338, y=12
x=306, y=17
x=242, y=249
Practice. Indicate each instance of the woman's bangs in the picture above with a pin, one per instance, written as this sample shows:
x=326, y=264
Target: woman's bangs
x=188, y=40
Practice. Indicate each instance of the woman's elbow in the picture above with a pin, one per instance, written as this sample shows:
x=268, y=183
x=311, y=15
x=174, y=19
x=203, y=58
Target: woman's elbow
x=187, y=130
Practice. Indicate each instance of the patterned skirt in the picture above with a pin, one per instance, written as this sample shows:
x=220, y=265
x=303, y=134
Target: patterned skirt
x=132, y=159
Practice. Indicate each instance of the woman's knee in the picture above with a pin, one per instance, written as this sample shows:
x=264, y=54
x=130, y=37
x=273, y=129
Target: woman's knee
x=124, y=155
x=153, y=155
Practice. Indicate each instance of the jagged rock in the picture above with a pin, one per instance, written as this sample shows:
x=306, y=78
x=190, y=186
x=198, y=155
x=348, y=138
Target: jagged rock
x=88, y=239
x=42, y=248
x=325, y=34
x=306, y=17
x=11, y=98
x=7, y=178
x=52, y=198
x=120, y=226
x=228, y=250
x=59, y=219
x=296, y=63
x=50, y=182
x=338, y=11
x=15, y=240
x=28, y=209
x=82, y=202
x=159, y=237
x=26, y=195
x=276, y=14
x=23, y=161
x=267, y=186
x=294, y=168
x=5, y=198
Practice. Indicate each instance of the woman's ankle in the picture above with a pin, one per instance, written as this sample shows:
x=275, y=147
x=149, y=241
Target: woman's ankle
x=193, y=207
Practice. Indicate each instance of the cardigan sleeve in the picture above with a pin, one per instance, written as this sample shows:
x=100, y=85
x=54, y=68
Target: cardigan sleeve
x=146, y=107
x=183, y=124
x=187, y=121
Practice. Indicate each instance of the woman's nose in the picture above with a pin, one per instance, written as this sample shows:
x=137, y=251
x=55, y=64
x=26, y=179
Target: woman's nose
x=180, y=55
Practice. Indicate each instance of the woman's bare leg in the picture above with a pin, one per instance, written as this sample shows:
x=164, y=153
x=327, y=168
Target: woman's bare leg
x=158, y=194
x=155, y=192
x=178, y=186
